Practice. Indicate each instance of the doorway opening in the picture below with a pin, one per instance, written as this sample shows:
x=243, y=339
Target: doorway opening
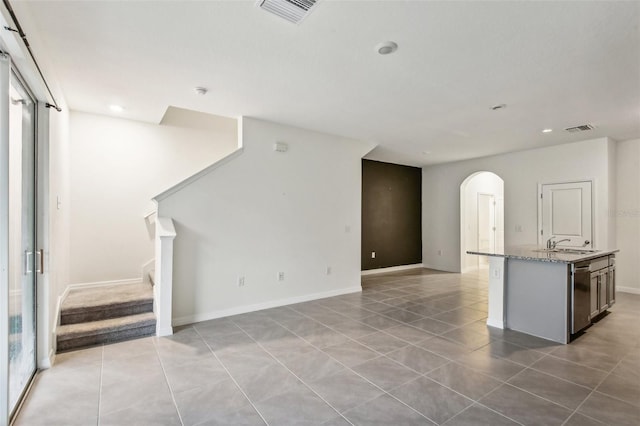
x=481, y=218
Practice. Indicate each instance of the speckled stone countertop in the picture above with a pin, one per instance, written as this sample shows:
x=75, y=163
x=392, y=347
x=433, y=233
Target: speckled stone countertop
x=537, y=254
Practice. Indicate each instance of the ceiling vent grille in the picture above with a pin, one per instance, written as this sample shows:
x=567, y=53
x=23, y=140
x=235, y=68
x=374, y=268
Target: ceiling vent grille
x=582, y=128
x=291, y=10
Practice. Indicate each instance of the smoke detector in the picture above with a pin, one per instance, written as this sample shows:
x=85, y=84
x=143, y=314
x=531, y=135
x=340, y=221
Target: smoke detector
x=581, y=128
x=292, y=10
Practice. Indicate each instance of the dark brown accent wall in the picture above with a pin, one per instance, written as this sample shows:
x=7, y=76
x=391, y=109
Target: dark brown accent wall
x=391, y=214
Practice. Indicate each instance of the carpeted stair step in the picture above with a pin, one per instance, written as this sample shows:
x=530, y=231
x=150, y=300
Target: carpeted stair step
x=100, y=303
x=75, y=336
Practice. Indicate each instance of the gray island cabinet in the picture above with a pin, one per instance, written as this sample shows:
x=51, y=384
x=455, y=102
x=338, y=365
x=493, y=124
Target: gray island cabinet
x=549, y=293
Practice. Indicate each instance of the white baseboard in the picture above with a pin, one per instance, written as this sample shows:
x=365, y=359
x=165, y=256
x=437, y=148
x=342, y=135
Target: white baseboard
x=392, y=269
x=165, y=331
x=631, y=290
x=47, y=362
x=104, y=283
x=190, y=319
x=146, y=269
x=495, y=323
x=57, y=319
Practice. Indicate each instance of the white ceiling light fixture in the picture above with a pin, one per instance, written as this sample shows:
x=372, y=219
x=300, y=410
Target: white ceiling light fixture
x=547, y=130
x=386, y=47
x=116, y=108
x=201, y=90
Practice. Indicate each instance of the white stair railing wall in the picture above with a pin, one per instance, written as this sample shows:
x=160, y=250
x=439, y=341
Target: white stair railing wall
x=164, y=236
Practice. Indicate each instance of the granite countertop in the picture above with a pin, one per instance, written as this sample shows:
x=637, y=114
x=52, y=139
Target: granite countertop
x=535, y=253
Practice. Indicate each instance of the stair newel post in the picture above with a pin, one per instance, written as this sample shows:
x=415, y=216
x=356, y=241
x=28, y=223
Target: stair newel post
x=163, y=288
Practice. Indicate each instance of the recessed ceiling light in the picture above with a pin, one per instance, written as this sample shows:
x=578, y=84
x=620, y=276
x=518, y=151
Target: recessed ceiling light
x=547, y=131
x=499, y=106
x=116, y=108
x=386, y=48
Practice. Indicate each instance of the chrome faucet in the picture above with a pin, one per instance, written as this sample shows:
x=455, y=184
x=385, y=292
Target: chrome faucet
x=552, y=244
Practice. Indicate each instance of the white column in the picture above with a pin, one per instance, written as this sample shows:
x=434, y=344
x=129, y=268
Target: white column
x=163, y=289
x=497, y=271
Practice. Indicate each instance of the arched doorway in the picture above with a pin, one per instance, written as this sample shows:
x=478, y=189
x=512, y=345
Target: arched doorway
x=481, y=218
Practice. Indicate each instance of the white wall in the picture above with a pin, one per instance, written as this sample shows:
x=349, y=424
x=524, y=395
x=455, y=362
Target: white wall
x=627, y=212
x=117, y=167
x=265, y=212
x=56, y=224
x=521, y=172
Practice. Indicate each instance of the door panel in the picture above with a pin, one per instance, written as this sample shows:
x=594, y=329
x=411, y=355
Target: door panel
x=486, y=226
x=23, y=259
x=18, y=257
x=566, y=213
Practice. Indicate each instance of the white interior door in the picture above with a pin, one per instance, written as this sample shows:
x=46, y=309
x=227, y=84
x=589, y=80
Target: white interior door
x=566, y=213
x=486, y=226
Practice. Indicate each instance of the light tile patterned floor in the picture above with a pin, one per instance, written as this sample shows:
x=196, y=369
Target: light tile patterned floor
x=413, y=348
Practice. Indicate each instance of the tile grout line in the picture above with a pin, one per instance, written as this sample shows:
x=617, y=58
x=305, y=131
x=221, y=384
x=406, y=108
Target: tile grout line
x=294, y=374
x=479, y=404
x=532, y=367
x=100, y=385
x=409, y=344
x=526, y=367
x=352, y=370
x=502, y=383
x=540, y=396
x=346, y=366
x=164, y=373
x=230, y=375
x=592, y=392
x=410, y=324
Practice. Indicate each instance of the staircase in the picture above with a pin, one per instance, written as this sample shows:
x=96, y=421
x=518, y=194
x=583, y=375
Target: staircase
x=108, y=314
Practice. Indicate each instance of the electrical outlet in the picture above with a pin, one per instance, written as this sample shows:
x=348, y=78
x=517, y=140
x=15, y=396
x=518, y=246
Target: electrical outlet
x=373, y=254
x=280, y=276
x=240, y=281
x=328, y=270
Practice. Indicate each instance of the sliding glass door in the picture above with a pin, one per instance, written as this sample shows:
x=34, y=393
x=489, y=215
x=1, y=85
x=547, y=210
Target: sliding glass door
x=23, y=261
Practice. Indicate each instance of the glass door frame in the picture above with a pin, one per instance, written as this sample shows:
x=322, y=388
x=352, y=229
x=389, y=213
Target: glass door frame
x=8, y=72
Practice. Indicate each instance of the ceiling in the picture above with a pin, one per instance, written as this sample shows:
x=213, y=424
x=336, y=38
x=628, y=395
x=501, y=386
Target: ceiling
x=554, y=64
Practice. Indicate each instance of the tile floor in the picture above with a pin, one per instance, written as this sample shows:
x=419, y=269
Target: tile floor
x=413, y=348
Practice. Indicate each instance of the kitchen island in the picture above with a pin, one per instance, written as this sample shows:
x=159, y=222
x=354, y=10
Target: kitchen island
x=549, y=293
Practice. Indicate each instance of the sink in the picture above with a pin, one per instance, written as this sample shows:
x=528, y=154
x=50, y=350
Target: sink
x=566, y=250
x=575, y=251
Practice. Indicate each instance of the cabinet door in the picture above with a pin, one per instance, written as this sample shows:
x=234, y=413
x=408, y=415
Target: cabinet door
x=595, y=281
x=603, y=291
x=611, y=287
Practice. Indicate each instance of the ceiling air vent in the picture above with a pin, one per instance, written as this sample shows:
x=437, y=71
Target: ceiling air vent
x=291, y=10
x=582, y=128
